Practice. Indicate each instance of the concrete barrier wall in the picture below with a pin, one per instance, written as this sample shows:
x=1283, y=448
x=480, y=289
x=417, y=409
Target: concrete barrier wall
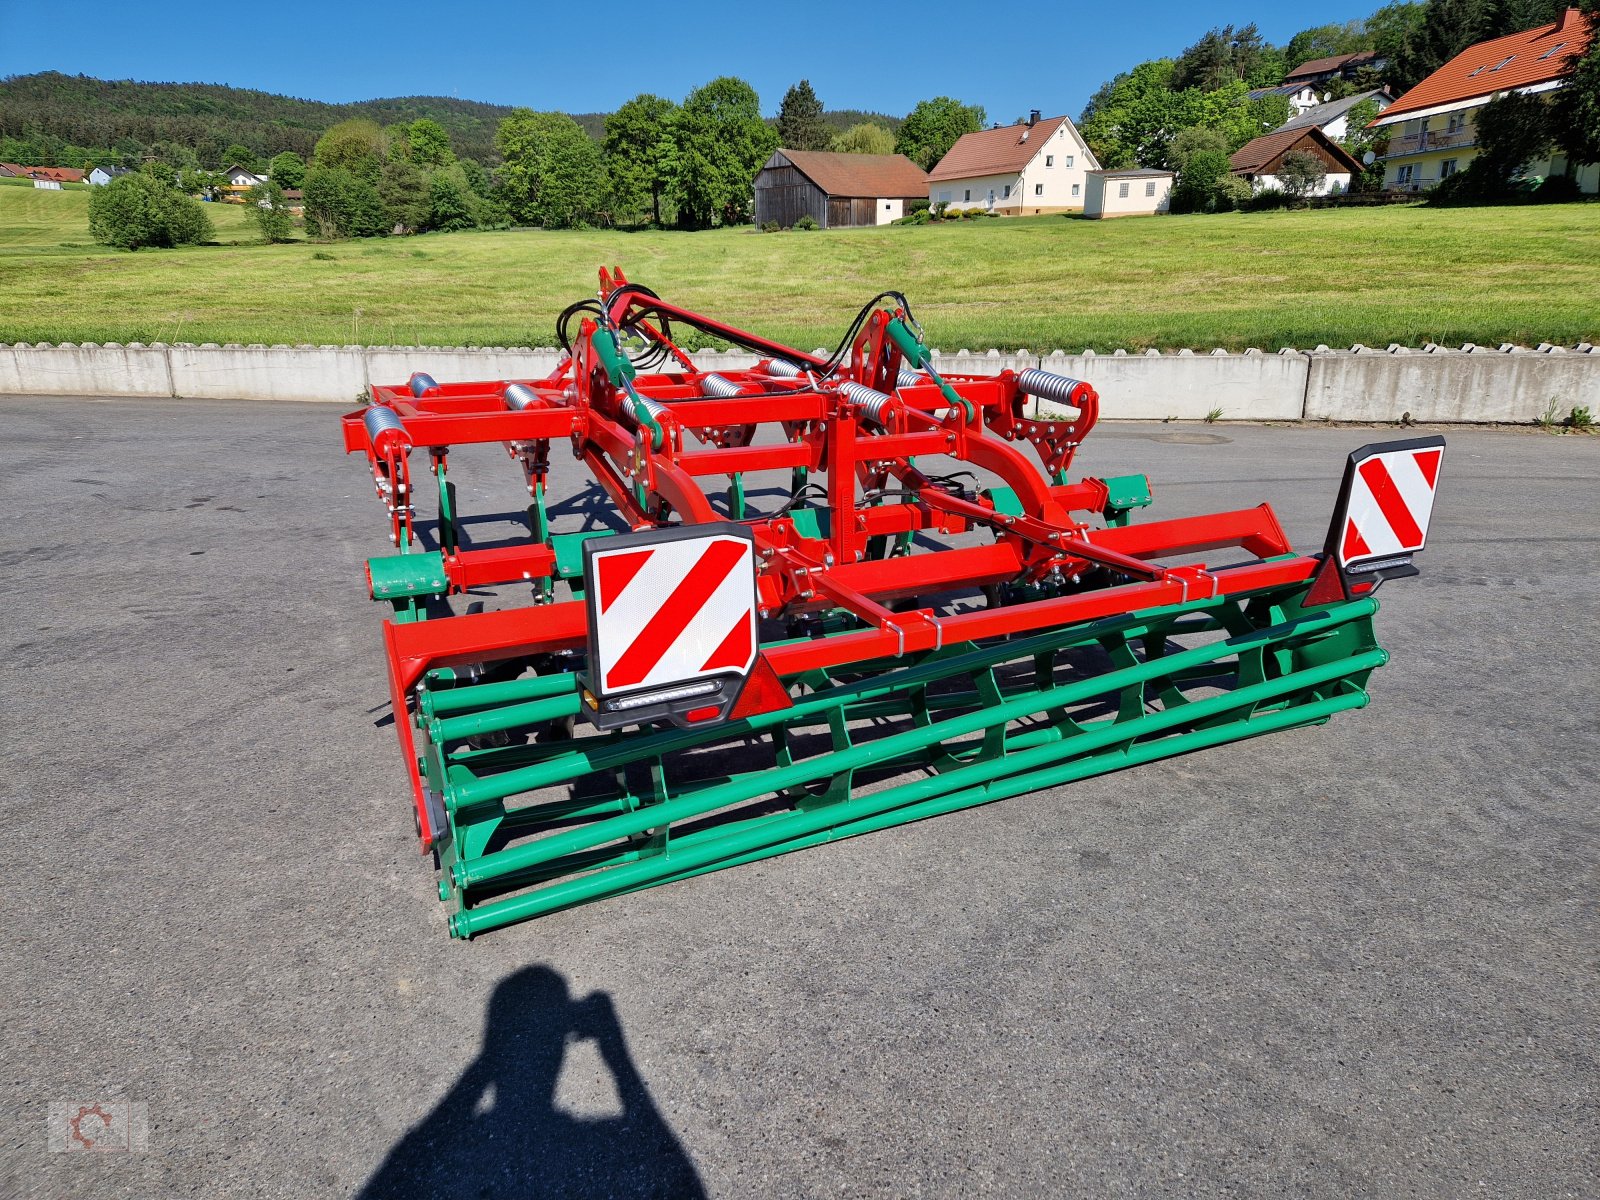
x=1470, y=384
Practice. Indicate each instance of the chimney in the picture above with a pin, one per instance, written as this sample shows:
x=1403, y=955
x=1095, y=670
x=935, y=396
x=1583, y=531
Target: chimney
x=1033, y=117
x=1569, y=19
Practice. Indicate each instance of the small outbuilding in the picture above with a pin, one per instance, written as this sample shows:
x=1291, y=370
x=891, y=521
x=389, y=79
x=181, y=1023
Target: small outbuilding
x=837, y=190
x=1257, y=162
x=1130, y=192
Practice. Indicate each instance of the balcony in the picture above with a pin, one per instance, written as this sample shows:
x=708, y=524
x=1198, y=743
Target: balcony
x=1434, y=139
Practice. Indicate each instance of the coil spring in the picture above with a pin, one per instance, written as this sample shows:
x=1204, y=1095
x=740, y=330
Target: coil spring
x=909, y=378
x=718, y=386
x=379, y=419
x=1043, y=384
x=873, y=403
x=658, y=411
x=782, y=369
x=422, y=383
x=519, y=395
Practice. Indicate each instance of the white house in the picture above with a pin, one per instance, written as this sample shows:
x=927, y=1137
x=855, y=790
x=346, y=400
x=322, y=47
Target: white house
x=1131, y=192
x=1333, y=118
x=1257, y=161
x=1303, y=96
x=240, y=177
x=101, y=176
x=1038, y=166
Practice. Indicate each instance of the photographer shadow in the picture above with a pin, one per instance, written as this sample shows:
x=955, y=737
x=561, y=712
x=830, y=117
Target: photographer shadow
x=498, y=1132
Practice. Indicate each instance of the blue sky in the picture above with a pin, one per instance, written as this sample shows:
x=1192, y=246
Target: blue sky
x=591, y=57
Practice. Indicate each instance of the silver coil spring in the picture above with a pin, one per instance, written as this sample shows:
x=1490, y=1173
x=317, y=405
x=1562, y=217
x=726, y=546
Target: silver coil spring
x=379, y=419
x=719, y=387
x=422, y=383
x=1048, y=386
x=658, y=411
x=783, y=369
x=874, y=404
x=519, y=395
x=910, y=378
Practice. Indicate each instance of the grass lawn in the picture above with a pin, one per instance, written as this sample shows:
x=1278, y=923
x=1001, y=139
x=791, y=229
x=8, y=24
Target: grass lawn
x=1377, y=275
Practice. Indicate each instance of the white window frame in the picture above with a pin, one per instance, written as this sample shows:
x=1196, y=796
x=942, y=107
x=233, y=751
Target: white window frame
x=1049, y=160
x=1150, y=188
x=1075, y=189
x=1068, y=162
x=1038, y=189
x=1122, y=190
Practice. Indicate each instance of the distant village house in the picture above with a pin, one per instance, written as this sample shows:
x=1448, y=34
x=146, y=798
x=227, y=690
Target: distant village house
x=1257, y=161
x=836, y=190
x=1027, y=169
x=1132, y=192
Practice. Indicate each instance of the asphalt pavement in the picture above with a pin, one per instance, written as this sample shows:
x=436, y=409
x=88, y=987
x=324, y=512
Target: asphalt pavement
x=1354, y=960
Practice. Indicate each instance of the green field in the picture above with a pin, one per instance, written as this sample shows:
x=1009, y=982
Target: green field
x=1377, y=275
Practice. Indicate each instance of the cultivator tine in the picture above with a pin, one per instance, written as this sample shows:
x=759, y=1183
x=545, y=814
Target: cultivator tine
x=716, y=687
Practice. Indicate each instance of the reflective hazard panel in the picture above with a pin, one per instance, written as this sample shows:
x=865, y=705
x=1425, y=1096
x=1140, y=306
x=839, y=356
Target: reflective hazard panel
x=673, y=627
x=1381, y=521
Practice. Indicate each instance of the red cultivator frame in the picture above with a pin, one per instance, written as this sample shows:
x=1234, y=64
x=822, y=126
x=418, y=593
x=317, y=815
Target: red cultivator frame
x=707, y=685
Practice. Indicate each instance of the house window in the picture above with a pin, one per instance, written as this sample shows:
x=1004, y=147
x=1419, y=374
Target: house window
x=1008, y=191
x=1150, y=188
x=1038, y=189
x=1447, y=168
x=1074, y=189
x=1069, y=161
x=1049, y=160
x=944, y=197
x=1503, y=62
x=1551, y=51
x=1122, y=191
x=887, y=206
x=1403, y=175
x=966, y=195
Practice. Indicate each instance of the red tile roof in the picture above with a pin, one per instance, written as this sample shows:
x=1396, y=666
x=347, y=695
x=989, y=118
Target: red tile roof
x=1260, y=156
x=58, y=174
x=995, y=151
x=1325, y=66
x=875, y=175
x=1500, y=64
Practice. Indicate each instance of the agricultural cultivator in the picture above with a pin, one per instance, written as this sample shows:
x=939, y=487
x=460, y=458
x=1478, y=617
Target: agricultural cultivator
x=918, y=619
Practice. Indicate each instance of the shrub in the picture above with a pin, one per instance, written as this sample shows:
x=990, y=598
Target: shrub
x=916, y=206
x=271, y=213
x=941, y=210
x=770, y=227
x=920, y=217
x=806, y=222
x=1557, y=189
x=138, y=209
x=1268, y=198
x=341, y=204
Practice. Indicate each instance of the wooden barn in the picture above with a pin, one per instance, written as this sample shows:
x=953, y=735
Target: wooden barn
x=837, y=190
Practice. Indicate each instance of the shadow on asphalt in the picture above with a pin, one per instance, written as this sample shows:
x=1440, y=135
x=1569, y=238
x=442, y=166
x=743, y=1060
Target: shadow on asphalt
x=498, y=1133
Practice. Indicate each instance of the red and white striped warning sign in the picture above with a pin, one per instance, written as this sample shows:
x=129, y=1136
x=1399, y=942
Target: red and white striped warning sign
x=1391, y=499
x=672, y=611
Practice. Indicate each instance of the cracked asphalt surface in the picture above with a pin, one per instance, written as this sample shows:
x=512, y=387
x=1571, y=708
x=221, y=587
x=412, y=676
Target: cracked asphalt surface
x=1355, y=960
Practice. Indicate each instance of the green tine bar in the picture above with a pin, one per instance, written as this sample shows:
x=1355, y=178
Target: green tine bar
x=1016, y=785
x=445, y=701
x=630, y=747
x=453, y=729
x=794, y=830
x=482, y=870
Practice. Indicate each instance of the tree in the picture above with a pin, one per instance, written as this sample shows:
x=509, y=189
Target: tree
x=638, y=152
x=357, y=146
x=1389, y=27
x=287, y=170
x=140, y=209
x=271, y=212
x=800, y=123
x=1198, y=179
x=450, y=201
x=720, y=143
x=553, y=174
x=239, y=156
x=339, y=203
x=933, y=126
x=403, y=188
x=430, y=144
x=865, y=138
x=1227, y=55
x=1129, y=121
x=1302, y=172
x=1186, y=143
x=1577, y=105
